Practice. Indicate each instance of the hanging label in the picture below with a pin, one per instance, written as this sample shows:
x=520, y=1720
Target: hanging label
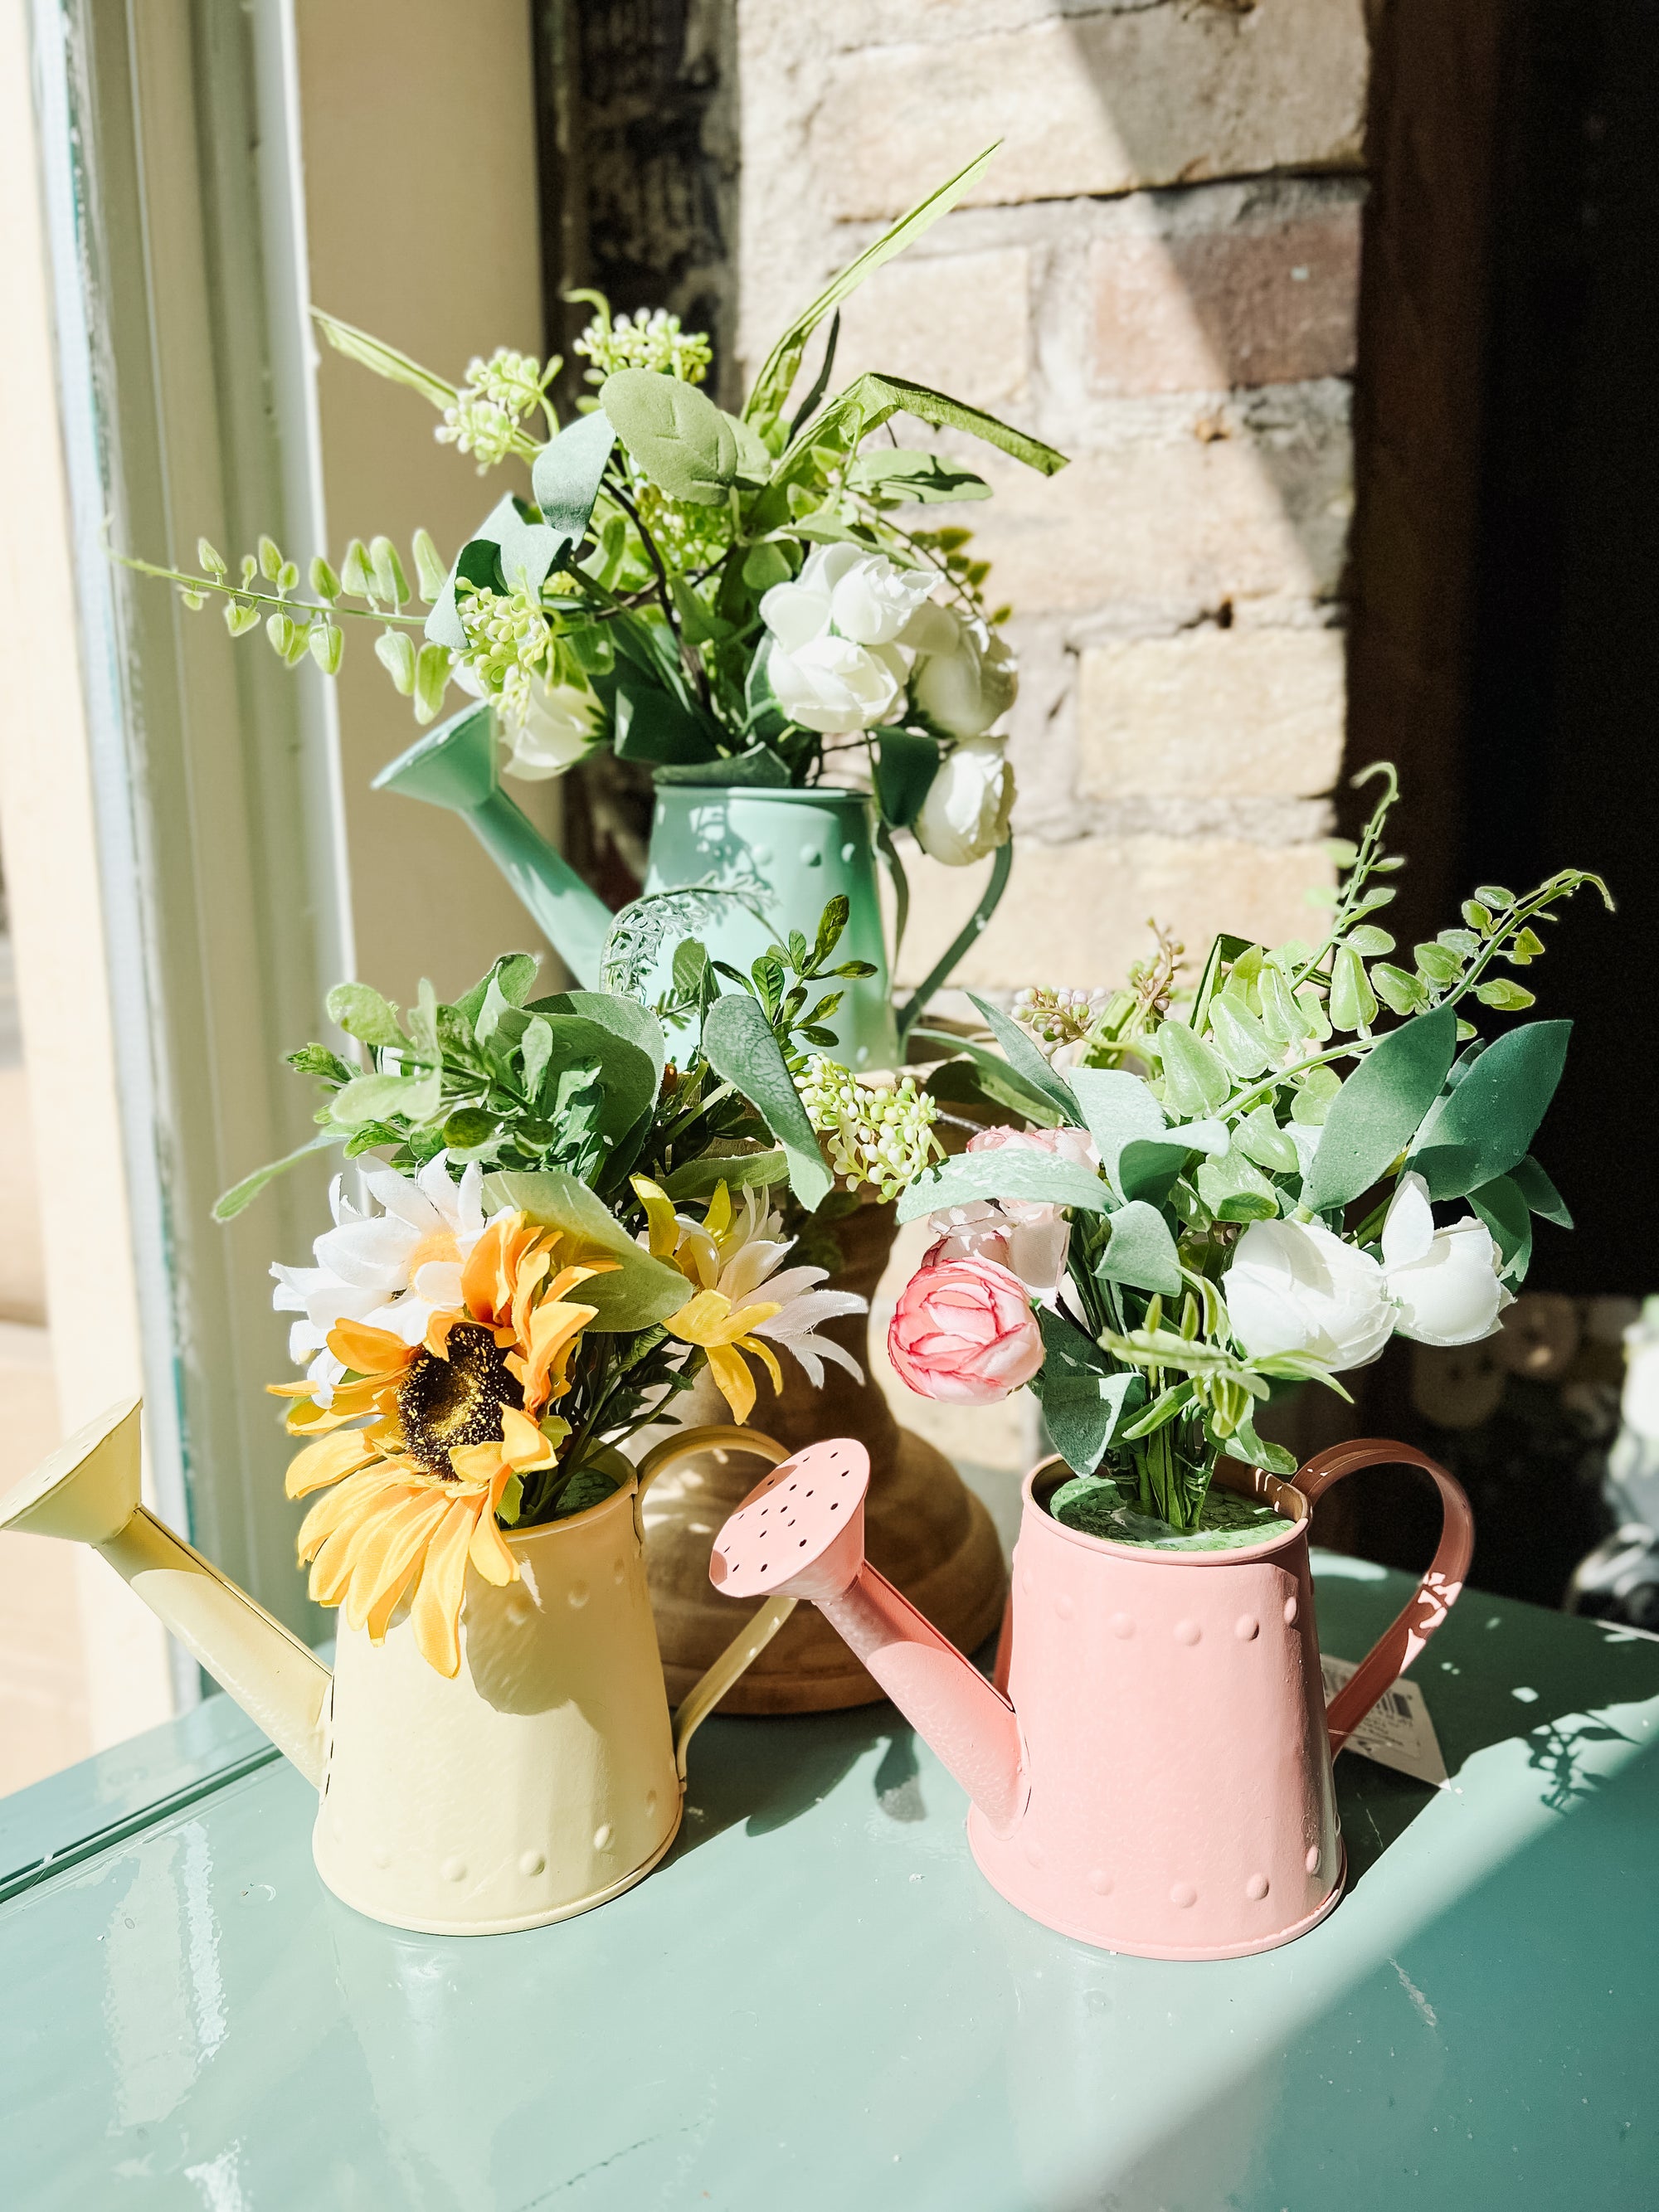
x=1397, y=1731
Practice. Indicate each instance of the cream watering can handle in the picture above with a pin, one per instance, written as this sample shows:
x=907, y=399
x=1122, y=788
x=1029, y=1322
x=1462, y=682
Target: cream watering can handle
x=757, y=1632
x=1431, y=1601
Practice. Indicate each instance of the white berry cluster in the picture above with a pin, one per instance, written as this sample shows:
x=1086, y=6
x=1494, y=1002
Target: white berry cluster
x=877, y=1132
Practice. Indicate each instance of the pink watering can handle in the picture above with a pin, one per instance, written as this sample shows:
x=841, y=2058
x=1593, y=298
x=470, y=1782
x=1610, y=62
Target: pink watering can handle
x=1394, y=1651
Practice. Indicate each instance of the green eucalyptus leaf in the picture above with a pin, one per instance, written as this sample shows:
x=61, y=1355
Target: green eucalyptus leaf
x=1377, y=1112
x=896, y=474
x=1195, y=1078
x=414, y=1097
x=998, y=1079
x=676, y=434
x=567, y=474
x=741, y=1049
x=1501, y=1206
x=1484, y=1126
x=1084, y=1402
x=1237, y=1035
x=1027, y=1062
x=242, y=1194
x=1352, y=1001
x=641, y=1290
x=1041, y=1178
x=1539, y=1192
x=361, y=1012
x=1235, y=1190
x=906, y=763
x=1148, y=1169
x=1141, y=1250
x=1117, y=1109
x=624, y=1018
x=737, y=1170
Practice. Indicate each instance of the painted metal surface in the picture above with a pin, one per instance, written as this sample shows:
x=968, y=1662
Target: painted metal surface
x=816, y=2000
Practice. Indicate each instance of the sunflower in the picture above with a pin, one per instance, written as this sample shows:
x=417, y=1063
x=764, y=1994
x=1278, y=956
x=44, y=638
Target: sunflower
x=421, y=1445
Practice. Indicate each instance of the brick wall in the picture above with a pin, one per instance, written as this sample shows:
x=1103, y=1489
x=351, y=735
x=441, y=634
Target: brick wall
x=1159, y=275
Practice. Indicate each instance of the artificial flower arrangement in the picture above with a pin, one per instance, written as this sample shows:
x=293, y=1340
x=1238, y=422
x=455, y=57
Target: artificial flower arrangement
x=726, y=598
x=1212, y=1193
x=564, y=1227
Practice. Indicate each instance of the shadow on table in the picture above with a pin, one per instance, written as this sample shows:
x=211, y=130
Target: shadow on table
x=767, y=1772
x=1556, y=1705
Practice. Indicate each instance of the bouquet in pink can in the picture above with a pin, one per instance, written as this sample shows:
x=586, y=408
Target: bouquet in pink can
x=1211, y=1194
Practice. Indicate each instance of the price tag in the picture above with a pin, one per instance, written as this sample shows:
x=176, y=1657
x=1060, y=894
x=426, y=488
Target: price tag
x=1397, y=1731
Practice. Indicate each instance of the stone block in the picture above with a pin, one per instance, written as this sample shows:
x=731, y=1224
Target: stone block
x=960, y=322
x=1217, y=712
x=1100, y=104
x=1184, y=523
x=1076, y=914
x=1249, y=304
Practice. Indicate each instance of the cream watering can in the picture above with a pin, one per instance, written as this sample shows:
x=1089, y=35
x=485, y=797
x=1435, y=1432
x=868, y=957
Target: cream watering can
x=774, y=857
x=544, y=1778
x=1150, y=1769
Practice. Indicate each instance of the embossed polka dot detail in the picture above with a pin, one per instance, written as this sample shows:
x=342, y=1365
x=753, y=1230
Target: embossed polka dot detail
x=1026, y=1578
x=1101, y=1882
x=812, y=857
x=1064, y=1606
x=1183, y=1895
x=1121, y=1624
x=1312, y=1860
x=602, y=1837
x=1289, y=1613
x=1257, y=1888
x=1034, y=1850
x=1188, y=1631
x=531, y=1861
x=453, y=1869
x=519, y=1609
x=577, y=1594
x=1247, y=1628
x=617, y=1570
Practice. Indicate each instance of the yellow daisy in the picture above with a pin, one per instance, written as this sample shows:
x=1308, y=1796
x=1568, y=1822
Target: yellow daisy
x=444, y=1428
x=708, y=1255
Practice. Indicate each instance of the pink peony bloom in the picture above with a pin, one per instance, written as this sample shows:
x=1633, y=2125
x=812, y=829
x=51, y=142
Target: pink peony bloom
x=965, y=1331
x=989, y=1228
x=1075, y=1145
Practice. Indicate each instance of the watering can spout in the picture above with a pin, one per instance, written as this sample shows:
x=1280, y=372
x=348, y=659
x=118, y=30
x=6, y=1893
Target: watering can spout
x=800, y=1535
x=88, y=1493
x=454, y=766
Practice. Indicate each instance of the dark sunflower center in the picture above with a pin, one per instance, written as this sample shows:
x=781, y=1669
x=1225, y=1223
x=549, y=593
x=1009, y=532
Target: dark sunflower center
x=458, y=1401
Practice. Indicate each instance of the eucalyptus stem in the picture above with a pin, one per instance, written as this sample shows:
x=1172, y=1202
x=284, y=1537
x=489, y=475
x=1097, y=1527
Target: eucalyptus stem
x=325, y=610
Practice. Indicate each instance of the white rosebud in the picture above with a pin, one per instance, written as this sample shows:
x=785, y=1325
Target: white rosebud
x=965, y=813
x=1444, y=1281
x=835, y=687
x=965, y=677
x=551, y=732
x=1293, y=1287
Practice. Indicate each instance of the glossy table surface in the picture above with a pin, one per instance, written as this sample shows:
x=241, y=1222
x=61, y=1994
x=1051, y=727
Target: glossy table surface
x=816, y=2003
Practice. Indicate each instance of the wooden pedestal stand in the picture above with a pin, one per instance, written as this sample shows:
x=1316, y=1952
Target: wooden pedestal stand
x=924, y=1529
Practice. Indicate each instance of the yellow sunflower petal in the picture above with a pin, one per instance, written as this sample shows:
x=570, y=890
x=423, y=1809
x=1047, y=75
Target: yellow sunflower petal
x=366, y=1351
x=390, y=1542
x=553, y=1332
x=329, y=1459
x=737, y=1384
x=476, y=1463
x=437, y=1613
x=347, y=1501
x=662, y=1223
x=523, y=1445
x=398, y=1567
x=332, y=1569
x=488, y=1549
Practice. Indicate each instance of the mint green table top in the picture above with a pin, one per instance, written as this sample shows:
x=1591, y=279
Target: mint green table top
x=816, y=2003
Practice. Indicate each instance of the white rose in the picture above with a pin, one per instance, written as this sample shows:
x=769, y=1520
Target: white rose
x=1444, y=1281
x=857, y=595
x=556, y=729
x=965, y=678
x=965, y=813
x=1293, y=1287
x=833, y=686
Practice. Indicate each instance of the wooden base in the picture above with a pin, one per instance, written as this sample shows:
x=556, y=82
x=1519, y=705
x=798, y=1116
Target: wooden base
x=924, y=1529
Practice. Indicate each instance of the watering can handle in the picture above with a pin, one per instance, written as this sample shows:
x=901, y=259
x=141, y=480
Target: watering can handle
x=1431, y=1601
x=1000, y=869
x=758, y=1632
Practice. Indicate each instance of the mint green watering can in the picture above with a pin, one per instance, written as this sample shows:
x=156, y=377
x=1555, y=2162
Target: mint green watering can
x=754, y=862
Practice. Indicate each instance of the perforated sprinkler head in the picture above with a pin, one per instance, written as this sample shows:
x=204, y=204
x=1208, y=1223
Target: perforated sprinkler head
x=800, y=1533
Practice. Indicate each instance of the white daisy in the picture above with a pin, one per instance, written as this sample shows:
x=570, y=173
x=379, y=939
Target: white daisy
x=392, y=1269
x=735, y=1256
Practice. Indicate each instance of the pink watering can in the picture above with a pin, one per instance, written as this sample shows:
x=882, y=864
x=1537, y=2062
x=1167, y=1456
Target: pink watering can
x=1151, y=1771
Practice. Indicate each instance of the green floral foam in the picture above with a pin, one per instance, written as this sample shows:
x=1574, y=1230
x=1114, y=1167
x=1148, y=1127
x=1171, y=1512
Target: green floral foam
x=1097, y=1505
